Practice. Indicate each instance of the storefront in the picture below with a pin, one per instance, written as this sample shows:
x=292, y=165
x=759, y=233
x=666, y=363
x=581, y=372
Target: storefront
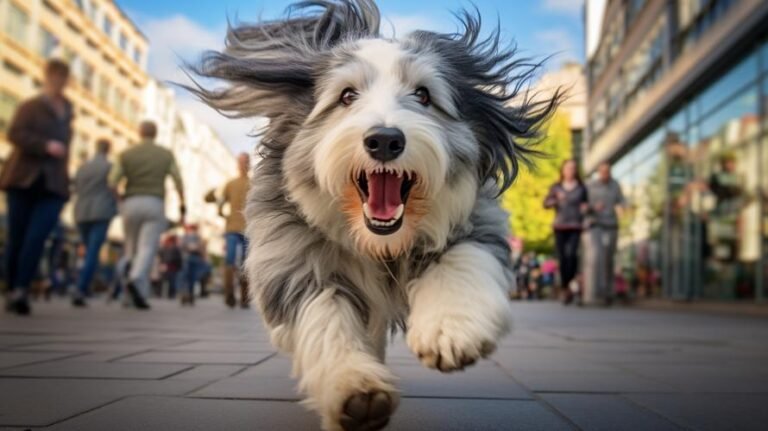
x=697, y=223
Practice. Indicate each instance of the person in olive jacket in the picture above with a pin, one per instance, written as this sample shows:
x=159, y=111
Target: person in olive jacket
x=36, y=180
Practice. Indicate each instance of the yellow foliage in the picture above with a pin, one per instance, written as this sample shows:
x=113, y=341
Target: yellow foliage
x=529, y=219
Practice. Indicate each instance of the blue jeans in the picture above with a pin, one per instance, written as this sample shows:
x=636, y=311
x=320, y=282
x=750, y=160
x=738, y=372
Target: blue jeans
x=193, y=271
x=237, y=246
x=93, y=234
x=32, y=215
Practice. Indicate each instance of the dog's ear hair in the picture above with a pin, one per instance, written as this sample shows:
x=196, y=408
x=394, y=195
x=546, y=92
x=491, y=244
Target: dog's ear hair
x=269, y=64
x=491, y=90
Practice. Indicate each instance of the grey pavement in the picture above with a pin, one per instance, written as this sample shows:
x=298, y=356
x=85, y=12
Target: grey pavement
x=209, y=368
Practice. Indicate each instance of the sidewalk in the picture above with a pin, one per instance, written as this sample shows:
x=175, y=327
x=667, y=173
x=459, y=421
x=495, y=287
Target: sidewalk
x=208, y=368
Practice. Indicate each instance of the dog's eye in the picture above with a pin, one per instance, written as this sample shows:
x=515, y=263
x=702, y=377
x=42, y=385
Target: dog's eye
x=348, y=96
x=423, y=95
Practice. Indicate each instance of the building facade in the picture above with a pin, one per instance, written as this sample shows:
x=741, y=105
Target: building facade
x=677, y=101
x=570, y=79
x=107, y=56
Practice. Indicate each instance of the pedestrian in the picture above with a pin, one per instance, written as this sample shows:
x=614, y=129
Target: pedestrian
x=235, y=194
x=194, y=267
x=170, y=263
x=605, y=204
x=36, y=180
x=95, y=206
x=568, y=197
x=144, y=168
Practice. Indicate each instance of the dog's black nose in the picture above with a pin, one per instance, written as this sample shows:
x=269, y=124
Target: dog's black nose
x=384, y=143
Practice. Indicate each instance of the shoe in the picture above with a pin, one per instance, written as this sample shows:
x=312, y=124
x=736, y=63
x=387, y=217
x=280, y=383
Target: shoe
x=19, y=306
x=230, y=301
x=245, y=305
x=79, y=302
x=138, y=301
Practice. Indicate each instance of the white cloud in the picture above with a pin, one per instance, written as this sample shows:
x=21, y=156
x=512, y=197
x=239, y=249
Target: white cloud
x=558, y=41
x=567, y=7
x=176, y=39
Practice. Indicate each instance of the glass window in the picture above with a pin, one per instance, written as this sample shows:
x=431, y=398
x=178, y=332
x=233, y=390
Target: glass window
x=107, y=26
x=104, y=90
x=123, y=42
x=732, y=123
x=737, y=78
x=87, y=76
x=137, y=56
x=8, y=105
x=17, y=24
x=48, y=43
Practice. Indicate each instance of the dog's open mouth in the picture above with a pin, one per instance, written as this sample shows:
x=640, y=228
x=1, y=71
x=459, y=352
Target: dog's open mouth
x=384, y=193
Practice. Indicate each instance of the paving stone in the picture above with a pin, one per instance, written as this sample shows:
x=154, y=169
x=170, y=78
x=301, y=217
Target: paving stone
x=41, y=402
x=484, y=380
x=188, y=414
x=254, y=387
x=705, y=412
x=588, y=381
x=222, y=346
x=477, y=415
x=95, y=370
x=126, y=347
x=208, y=372
x=245, y=358
x=276, y=366
x=606, y=413
x=706, y=378
x=12, y=359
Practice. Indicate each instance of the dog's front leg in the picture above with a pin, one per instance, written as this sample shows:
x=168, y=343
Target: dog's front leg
x=337, y=365
x=459, y=308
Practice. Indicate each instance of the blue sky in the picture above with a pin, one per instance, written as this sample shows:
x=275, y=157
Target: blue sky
x=182, y=29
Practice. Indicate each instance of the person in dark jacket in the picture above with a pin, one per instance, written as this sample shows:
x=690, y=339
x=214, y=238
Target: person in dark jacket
x=35, y=179
x=569, y=199
x=95, y=207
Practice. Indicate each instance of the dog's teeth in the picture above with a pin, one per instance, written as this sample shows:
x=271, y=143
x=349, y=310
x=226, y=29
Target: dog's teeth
x=400, y=210
x=366, y=212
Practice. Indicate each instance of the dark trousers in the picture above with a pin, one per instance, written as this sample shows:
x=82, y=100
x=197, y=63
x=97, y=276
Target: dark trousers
x=193, y=271
x=93, y=234
x=567, y=244
x=32, y=215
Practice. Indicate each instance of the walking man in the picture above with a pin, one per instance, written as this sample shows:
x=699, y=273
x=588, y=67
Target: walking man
x=605, y=203
x=235, y=194
x=144, y=169
x=36, y=180
x=94, y=208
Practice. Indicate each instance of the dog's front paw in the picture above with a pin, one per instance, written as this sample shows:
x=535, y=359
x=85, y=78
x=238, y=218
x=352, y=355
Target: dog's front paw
x=356, y=396
x=367, y=411
x=450, y=341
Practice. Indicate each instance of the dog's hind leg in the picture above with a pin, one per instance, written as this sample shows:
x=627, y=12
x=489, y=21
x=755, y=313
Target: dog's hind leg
x=337, y=363
x=459, y=308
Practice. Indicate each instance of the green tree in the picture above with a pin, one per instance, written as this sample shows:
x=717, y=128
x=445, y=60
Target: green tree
x=524, y=201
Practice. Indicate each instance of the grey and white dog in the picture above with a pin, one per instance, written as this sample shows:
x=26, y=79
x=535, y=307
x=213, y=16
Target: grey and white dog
x=374, y=205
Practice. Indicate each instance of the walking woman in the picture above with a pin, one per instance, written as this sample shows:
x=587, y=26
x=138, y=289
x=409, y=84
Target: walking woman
x=568, y=197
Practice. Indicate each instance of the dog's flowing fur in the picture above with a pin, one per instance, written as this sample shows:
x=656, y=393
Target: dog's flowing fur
x=329, y=289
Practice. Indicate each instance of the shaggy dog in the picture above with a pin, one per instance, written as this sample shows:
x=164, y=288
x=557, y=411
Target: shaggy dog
x=374, y=206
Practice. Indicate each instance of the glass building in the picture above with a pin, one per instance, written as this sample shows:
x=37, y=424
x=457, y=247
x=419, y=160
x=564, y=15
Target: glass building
x=678, y=103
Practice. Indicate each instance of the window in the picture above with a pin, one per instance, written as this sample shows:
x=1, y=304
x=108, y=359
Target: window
x=8, y=105
x=87, y=76
x=47, y=43
x=107, y=26
x=104, y=90
x=123, y=42
x=137, y=56
x=741, y=75
x=17, y=24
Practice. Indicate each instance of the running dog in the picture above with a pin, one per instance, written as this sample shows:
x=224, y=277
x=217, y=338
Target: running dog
x=374, y=205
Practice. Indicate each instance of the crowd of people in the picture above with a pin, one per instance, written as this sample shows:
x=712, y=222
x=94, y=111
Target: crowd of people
x=37, y=185
x=581, y=209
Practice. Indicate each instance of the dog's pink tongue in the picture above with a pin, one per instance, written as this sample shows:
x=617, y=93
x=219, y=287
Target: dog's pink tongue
x=384, y=195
